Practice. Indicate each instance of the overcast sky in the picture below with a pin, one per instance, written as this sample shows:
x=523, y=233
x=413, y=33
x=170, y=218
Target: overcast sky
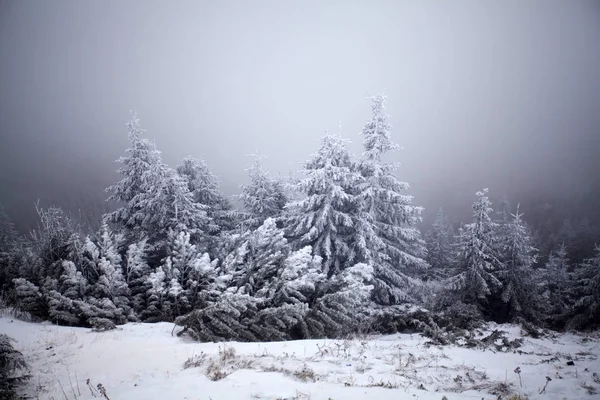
x=498, y=94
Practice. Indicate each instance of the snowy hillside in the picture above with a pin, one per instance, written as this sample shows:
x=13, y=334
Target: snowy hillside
x=143, y=361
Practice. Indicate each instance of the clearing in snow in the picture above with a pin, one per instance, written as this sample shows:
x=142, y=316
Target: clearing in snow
x=144, y=361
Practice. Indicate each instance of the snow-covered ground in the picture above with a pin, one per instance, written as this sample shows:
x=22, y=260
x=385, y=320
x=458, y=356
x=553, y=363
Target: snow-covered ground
x=143, y=361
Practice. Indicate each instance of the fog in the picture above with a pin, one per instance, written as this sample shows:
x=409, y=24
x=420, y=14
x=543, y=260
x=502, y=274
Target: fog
x=504, y=95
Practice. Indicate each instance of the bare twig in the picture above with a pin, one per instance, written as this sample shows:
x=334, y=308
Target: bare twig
x=63, y=390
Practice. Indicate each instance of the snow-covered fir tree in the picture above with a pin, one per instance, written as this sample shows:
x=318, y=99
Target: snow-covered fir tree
x=154, y=197
x=204, y=186
x=136, y=272
x=519, y=290
x=326, y=218
x=441, y=248
x=386, y=232
x=343, y=304
x=7, y=230
x=264, y=197
x=587, y=306
x=556, y=280
x=187, y=271
x=478, y=256
x=289, y=296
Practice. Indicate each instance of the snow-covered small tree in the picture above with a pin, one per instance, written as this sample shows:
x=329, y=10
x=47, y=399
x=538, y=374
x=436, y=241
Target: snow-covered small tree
x=264, y=197
x=386, y=233
x=478, y=259
x=136, y=274
x=61, y=309
x=343, y=304
x=30, y=298
x=288, y=296
x=267, y=248
x=519, y=290
x=7, y=230
x=326, y=218
x=204, y=186
x=187, y=272
x=13, y=368
x=137, y=167
x=104, y=271
x=155, y=296
x=72, y=284
x=557, y=281
x=441, y=248
x=154, y=197
x=587, y=307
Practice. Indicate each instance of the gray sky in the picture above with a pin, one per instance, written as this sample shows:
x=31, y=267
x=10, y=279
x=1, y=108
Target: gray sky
x=493, y=94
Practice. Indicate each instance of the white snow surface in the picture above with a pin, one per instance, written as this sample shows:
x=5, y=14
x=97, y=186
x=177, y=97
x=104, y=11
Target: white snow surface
x=144, y=362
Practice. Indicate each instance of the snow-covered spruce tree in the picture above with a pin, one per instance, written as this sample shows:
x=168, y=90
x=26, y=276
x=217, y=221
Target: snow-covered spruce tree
x=103, y=269
x=519, y=292
x=13, y=368
x=136, y=272
x=263, y=197
x=587, y=307
x=247, y=274
x=343, y=304
x=266, y=250
x=478, y=257
x=441, y=248
x=326, y=218
x=204, y=186
x=556, y=282
x=288, y=297
x=155, y=296
x=187, y=272
x=386, y=232
x=8, y=234
x=61, y=309
x=29, y=298
x=154, y=197
x=9, y=268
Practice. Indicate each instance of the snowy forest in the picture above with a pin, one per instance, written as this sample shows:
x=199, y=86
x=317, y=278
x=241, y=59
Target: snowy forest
x=339, y=250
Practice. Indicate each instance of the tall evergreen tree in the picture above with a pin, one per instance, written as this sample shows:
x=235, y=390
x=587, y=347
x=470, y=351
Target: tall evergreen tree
x=154, y=197
x=519, y=291
x=326, y=218
x=386, y=232
x=478, y=257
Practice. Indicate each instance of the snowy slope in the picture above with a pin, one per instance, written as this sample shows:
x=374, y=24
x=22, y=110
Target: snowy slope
x=143, y=361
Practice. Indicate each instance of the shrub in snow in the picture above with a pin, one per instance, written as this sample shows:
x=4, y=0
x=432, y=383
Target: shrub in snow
x=29, y=298
x=13, y=368
x=101, y=324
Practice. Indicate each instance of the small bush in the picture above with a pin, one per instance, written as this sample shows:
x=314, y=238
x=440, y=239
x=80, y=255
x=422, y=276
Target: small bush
x=13, y=368
x=101, y=324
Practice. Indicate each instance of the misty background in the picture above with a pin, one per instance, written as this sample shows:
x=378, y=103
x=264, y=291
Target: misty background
x=504, y=95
